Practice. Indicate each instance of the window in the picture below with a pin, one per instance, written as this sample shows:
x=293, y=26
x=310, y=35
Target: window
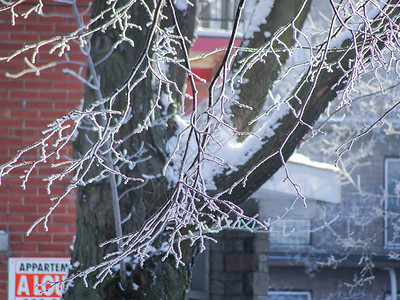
x=392, y=202
x=389, y=297
x=287, y=295
x=199, y=283
x=217, y=14
x=4, y=241
x=290, y=232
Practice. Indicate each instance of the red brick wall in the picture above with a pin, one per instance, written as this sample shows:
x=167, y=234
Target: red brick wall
x=27, y=105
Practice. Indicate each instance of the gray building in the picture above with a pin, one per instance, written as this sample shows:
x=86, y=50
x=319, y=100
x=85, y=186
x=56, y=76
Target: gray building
x=343, y=245
x=355, y=257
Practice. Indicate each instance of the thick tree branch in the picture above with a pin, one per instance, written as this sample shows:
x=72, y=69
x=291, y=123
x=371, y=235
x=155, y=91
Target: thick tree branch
x=309, y=100
x=256, y=72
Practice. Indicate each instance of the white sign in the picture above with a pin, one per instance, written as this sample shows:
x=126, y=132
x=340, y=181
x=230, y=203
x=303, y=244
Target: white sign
x=36, y=278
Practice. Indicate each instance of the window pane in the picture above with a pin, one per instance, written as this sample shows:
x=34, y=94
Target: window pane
x=275, y=295
x=392, y=201
x=217, y=14
x=290, y=232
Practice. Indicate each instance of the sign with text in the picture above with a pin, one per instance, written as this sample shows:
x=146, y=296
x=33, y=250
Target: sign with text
x=36, y=278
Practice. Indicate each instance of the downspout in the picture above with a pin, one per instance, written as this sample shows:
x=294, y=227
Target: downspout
x=393, y=283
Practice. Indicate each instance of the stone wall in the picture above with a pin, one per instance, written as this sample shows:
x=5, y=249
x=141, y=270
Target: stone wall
x=239, y=266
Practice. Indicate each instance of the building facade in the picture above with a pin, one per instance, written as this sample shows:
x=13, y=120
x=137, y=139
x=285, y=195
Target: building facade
x=343, y=245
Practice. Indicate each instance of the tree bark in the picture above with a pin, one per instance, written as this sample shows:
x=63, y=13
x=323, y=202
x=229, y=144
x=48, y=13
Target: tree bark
x=254, y=88
x=95, y=219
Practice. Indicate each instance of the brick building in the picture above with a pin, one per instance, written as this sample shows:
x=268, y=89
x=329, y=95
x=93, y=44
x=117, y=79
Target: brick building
x=27, y=105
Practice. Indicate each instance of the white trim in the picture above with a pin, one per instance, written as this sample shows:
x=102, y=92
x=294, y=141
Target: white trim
x=216, y=33
x=393, y=283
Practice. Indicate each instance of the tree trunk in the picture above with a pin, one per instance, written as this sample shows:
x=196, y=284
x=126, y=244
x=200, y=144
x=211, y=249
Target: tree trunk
x=95, y=218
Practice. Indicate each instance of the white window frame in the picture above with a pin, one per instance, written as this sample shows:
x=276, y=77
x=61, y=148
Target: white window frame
x=388, y=243
x=290, y=293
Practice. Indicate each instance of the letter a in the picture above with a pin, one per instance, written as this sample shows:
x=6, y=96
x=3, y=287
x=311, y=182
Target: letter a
x=23, y=286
